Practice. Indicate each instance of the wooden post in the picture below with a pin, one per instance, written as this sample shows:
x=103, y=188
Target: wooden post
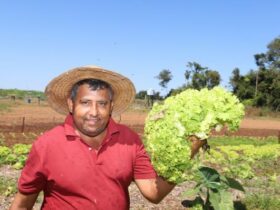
x=23, y=124
x=13, y=98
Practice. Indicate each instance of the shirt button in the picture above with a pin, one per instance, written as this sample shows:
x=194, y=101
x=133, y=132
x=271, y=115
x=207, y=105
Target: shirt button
x=89, y=148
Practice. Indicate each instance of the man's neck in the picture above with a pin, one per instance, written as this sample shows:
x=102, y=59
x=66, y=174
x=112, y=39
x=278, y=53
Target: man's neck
x=93, y=141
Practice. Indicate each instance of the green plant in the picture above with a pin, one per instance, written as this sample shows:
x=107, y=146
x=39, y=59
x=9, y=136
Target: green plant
x=21, y=93
x=262, y=202
x=4, y=152
x=2, y=141
x=21, y=149
x=8, y=186
x=244, y=161
x=212, y=190
x=15, y=156
x=191, y=113
x=241, y=140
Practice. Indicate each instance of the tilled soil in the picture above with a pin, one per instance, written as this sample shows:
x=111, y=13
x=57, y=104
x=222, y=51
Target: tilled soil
x=34, y=118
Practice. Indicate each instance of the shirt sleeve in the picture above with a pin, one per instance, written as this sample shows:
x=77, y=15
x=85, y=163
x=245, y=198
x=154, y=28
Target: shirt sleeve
x=143, y=168
x=32, y=179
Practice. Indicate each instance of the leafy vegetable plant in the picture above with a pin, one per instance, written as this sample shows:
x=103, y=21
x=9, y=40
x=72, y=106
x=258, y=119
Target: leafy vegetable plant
x=15, y=156
x=212, y=190
x=170, y=127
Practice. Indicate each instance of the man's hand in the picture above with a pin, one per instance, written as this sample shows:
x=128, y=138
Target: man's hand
x=197, y=144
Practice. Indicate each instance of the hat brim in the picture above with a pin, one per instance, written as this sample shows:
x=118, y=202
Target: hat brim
x=59, y=89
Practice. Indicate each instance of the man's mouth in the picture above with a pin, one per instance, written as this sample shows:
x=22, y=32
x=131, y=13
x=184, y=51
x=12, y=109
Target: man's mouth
x=92, y=121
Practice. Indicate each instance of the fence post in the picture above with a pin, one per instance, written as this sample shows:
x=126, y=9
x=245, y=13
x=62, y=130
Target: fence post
x=23, y=124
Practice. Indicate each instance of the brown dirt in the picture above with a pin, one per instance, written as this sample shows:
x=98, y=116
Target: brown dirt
x=17, y=124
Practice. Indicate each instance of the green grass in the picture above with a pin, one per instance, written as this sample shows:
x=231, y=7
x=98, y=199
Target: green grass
x=258, y=201
x=235, y=141
x=4, y=107
x=21, y=93
x=262, y=112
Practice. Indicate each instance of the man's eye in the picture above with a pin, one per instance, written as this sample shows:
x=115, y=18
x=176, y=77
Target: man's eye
x=102, y=103
x=84, y=102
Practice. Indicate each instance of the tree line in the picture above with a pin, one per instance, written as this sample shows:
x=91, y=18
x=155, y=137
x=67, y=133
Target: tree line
x=259, y=87
x=21, y=94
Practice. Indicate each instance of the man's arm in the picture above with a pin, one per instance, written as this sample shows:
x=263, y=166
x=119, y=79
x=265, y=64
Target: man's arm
x=154, y=189
x=23, y=201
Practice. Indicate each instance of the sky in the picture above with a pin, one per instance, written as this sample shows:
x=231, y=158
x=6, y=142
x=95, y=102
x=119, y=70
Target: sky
x=137, y=38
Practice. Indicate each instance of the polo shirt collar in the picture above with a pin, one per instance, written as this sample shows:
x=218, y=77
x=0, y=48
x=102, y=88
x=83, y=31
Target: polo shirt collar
x=70, y=131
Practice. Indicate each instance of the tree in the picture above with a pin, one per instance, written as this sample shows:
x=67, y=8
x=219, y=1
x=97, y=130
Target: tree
x=273, y=54
x=176, y=91
x=141, y=94
x=261, y=86
x=268, y=76
x=260, y=60
x=213, y=78
x=235, y=80
x=164, y=76
x=199, y=77
x=270, y=59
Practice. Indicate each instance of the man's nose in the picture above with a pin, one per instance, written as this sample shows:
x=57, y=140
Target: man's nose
x=93, y=109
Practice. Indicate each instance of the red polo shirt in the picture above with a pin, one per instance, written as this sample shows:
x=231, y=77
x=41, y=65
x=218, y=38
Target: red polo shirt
x=75, y=176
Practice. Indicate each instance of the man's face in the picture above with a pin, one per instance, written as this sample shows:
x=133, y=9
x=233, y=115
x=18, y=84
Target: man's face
x=91, y=111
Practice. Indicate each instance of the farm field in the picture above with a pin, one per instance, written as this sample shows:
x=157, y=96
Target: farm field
x=35, y=119
x=23, y=122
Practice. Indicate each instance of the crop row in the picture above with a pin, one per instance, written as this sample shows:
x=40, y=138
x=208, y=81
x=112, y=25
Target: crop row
x=15, y=156
x=235, y=160
x=244, y=161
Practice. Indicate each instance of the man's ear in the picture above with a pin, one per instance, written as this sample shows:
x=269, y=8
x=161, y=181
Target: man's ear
x=111, y=108
x=70, y=105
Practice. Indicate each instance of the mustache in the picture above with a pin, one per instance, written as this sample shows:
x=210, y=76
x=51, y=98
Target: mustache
x=91, y=118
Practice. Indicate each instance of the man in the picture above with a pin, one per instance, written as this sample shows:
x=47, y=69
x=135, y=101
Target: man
x=90, y=160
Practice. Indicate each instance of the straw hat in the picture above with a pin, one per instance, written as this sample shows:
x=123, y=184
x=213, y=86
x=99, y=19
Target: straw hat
x=59, y=89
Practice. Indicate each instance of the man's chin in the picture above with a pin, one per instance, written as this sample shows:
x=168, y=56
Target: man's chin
x=92, y=132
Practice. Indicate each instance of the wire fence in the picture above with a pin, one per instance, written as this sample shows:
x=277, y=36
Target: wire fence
x=28, y=124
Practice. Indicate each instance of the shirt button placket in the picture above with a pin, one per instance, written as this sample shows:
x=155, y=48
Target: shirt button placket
x=93, y=154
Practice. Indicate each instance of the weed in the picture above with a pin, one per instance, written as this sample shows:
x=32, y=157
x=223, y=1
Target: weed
x=241, y=140
x=8, y=186
x=262, y=202
x=2, y=141
x=4, y=107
